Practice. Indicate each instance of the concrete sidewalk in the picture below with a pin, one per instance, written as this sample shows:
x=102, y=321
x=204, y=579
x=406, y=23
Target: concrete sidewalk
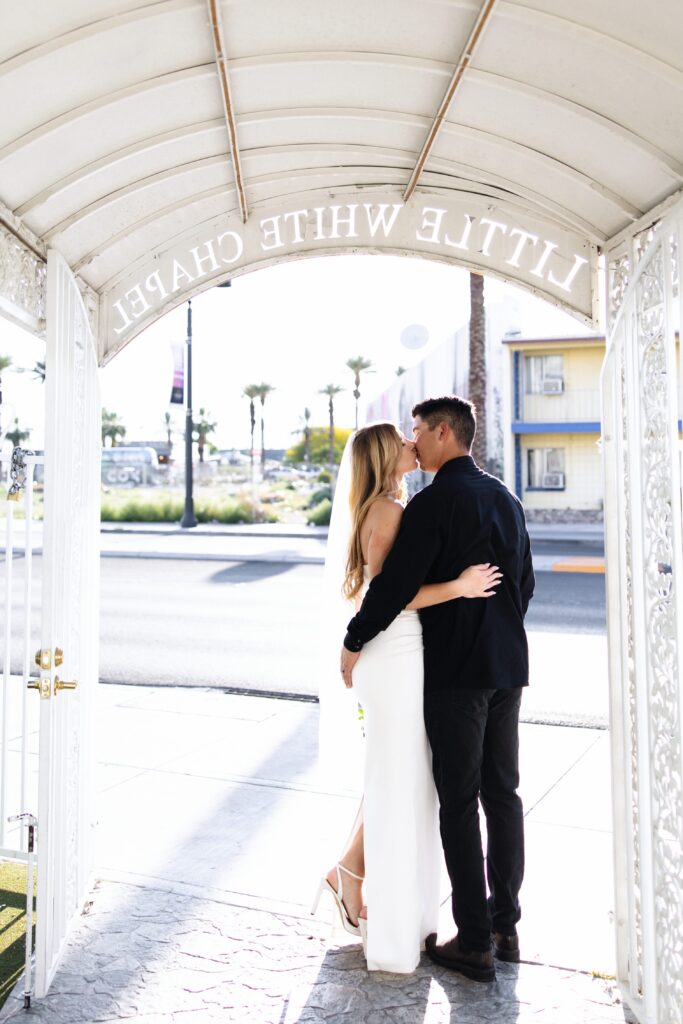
x=214, y=827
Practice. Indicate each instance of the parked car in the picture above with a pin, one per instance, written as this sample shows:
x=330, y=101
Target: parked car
x=129, y=467
x=232, y=457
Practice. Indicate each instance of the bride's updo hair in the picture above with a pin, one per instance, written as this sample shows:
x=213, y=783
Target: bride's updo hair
x=375, y=455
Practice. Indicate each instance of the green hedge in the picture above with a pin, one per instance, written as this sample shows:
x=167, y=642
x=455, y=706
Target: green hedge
x=320, y=515
x=320, y=495
x=171, y=510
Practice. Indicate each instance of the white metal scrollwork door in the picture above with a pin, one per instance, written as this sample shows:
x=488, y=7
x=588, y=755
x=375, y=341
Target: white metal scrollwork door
x=641, y=396
x=69, y=635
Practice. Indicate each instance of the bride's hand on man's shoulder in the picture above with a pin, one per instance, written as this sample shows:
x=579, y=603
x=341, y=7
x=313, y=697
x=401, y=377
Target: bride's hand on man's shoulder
x=479, y=580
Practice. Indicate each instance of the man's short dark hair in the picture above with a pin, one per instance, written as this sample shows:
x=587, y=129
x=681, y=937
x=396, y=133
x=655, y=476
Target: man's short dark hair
x=458, y=413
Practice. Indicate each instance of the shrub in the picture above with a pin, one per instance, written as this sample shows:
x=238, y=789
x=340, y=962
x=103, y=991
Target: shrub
x=320, y=515
x=233, y=512
x=137, y=510
x=170, y=510
x=324, y=477
x=320, y=495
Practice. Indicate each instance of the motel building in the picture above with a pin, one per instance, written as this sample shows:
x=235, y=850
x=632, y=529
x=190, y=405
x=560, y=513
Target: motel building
x=151, y=151
x=543, y=411
x=552, y=427
x=552, y=450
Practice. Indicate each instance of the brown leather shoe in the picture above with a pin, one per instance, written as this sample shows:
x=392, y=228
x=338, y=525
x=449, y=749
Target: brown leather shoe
x=473, y=964
x=506, y=947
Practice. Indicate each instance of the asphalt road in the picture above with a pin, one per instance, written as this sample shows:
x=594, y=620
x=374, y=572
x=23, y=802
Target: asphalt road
x=253, y=625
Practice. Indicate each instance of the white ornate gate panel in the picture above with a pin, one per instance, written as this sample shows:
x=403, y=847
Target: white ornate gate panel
x=20, y=592
x=69, y=634
x=641, y=395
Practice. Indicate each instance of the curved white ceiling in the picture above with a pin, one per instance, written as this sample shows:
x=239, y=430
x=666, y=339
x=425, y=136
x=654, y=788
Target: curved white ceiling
x=113, y=135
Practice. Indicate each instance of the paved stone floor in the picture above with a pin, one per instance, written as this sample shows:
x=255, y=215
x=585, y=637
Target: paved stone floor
x=155, y=956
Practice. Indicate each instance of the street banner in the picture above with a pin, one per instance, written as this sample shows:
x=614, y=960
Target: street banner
x=178, y=388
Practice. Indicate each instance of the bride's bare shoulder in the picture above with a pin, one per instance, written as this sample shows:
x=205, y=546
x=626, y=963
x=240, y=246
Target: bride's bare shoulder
x=384, y=510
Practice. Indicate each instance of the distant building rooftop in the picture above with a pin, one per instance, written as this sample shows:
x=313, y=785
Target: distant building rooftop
x=589, y=339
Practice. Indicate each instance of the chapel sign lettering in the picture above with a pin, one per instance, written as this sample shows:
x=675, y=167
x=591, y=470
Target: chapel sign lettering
x=554, y=261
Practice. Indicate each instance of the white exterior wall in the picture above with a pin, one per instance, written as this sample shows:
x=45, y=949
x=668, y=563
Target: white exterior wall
x=445, y=371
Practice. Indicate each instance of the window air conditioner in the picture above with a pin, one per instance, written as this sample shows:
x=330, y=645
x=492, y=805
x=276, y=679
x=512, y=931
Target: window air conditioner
x=553, y=386
x=553, y=481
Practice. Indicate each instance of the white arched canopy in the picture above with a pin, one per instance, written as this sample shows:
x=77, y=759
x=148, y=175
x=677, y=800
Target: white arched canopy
x=162, y=144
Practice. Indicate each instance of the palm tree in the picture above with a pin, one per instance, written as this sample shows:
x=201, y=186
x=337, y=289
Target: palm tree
x=251, y=392
x=331, y=390
x=477, y=373
x=262, y=392
x=357, y=366
x=168, y=424
x=203, y=427
x=112, y=427
x=307, y=435
x=16, y=435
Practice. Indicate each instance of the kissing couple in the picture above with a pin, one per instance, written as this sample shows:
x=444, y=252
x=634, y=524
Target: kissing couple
x=437, y=656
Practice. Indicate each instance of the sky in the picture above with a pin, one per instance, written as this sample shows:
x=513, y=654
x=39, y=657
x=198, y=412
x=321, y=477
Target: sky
x=292, y=326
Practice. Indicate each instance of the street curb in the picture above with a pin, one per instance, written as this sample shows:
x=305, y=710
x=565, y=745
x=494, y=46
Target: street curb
x=173, y=530
x=541, y=563
x=188, y=556
x=554, y=719
x=580, y=563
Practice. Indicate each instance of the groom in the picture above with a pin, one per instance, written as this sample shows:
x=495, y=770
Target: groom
x=476, y=663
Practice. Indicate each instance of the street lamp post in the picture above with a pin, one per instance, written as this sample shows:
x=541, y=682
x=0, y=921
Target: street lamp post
x=189, y=518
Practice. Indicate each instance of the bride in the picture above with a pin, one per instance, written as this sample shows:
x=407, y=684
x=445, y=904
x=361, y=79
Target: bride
x=392, y=861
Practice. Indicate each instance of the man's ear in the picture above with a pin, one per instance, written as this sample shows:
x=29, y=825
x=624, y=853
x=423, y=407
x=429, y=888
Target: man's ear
x=442, y=431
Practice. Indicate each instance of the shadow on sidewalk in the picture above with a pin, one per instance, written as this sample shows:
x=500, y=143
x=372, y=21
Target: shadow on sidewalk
x=344, y=989
x=250, y=572
x=152, y=950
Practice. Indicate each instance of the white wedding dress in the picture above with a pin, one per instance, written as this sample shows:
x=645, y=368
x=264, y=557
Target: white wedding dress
x=403, y=853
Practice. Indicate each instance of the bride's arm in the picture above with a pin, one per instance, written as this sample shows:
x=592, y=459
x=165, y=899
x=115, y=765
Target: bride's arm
x=475, y=581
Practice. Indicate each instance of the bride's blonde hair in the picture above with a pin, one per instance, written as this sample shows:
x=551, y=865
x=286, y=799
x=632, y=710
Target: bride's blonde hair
x=375, y=455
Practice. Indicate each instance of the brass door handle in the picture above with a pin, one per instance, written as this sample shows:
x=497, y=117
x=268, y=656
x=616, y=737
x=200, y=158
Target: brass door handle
x=62, y=685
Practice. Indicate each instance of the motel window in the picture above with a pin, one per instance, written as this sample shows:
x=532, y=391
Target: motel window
x=544, y=375
x=545, y=468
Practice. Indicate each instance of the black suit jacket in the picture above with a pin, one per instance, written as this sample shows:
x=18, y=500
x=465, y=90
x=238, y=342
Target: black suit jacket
x=464, y=517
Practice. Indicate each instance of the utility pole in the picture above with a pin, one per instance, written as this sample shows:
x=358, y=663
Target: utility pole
x=189, y=518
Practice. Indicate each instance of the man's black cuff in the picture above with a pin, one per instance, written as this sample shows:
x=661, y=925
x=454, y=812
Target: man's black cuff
x=352, y=643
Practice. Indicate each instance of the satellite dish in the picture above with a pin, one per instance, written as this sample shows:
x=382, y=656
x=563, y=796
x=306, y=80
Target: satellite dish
x=414, y=336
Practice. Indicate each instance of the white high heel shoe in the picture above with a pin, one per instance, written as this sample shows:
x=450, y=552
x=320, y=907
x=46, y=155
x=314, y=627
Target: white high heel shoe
x=338, y=895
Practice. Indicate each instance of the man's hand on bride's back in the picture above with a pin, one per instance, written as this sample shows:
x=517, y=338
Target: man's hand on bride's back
x=478, y=581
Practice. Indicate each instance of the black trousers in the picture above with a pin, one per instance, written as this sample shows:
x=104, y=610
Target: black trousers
x=474, y=738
